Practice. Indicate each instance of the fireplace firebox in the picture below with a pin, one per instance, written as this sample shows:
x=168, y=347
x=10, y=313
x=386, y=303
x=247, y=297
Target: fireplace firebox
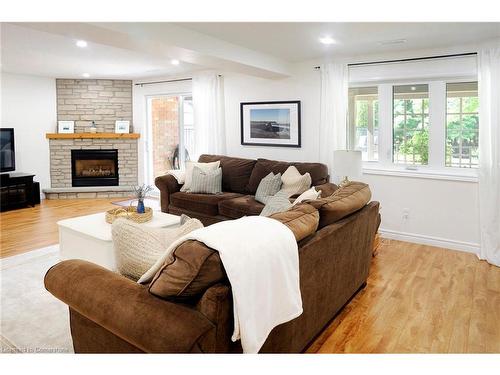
x=94, y=167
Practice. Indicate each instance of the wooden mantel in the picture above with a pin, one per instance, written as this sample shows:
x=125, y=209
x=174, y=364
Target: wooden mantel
x=91, y=135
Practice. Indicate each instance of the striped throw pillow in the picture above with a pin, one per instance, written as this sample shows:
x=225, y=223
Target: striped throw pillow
x=268, y=187
x=206, y=181
x=278, y=203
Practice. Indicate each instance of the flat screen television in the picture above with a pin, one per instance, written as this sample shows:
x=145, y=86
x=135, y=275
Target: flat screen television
x=7, y=151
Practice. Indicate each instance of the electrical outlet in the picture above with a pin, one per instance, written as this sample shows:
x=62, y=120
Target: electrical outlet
x=406, y=213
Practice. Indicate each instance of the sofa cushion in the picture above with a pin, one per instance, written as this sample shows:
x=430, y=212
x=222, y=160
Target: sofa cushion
x=311, y=194
x=268, y=187
x=188, y=175
x=318, y=172
x=203, y=203
x=278, y=203
x=302, y=219
x=344, y=201
x=208, y=182
x=239, y=207
x=138, y=247
x=294, y=182
x=191, y=270
x=235, y=171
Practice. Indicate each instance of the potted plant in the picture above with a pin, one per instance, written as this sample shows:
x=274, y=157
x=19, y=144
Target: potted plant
x=140, y=193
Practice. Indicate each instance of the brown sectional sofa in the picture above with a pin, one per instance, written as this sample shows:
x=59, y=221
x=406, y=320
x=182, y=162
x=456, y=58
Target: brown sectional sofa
x=112, y=314
x=240, y=179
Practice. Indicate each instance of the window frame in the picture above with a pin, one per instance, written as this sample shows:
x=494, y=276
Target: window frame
x=372, y=121
x=461, y=114
x=436, y=168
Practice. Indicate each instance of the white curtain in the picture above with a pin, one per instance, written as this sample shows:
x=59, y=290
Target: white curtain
x=333, y=115
x=208, y=107
x=489, y=153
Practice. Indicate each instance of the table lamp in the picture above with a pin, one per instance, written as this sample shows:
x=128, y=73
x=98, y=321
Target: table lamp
x=347, y=163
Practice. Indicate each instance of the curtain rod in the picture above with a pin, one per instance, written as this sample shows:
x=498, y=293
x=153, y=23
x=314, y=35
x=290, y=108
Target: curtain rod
x=167, y=81
x=170, y=80
x=409, y=59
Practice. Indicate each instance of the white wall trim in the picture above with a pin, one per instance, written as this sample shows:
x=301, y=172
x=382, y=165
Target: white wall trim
x=468, y=247
x=423, y=173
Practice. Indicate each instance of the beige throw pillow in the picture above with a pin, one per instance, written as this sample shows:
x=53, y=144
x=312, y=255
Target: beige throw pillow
x=206, y=167
x=294, y=182
x=137, y=247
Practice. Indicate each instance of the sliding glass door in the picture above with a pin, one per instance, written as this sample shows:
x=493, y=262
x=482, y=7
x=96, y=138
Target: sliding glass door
x=170, y=133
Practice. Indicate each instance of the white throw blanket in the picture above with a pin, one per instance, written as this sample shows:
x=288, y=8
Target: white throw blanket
x=260, y=256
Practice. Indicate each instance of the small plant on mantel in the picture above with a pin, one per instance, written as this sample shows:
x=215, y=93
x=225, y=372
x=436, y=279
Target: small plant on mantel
x=140, y=193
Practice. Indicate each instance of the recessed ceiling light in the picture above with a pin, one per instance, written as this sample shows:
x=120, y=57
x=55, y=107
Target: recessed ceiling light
x=86, y=75
x=327, y=40
x=174, y=62
x=413, y=88
x=81, y=43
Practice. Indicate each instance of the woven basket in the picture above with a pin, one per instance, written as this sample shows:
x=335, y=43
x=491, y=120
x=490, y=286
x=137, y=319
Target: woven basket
x=129, y=213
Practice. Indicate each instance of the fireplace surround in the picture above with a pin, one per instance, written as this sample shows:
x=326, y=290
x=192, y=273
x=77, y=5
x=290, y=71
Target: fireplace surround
x=61, y=146
x=94, y=168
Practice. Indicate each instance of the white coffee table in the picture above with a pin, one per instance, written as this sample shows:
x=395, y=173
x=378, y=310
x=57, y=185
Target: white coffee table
x=89, y=237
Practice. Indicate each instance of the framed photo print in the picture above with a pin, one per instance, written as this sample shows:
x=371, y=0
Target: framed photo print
x=65, y=126
x=271, y=123
x=122, y=126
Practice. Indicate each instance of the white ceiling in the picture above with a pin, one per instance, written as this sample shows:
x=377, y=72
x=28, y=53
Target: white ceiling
x=297, y=42
x=29, y=51
x=141, y=50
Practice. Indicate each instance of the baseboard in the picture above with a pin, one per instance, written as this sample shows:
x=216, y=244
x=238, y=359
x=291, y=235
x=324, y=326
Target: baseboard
x=468, y=247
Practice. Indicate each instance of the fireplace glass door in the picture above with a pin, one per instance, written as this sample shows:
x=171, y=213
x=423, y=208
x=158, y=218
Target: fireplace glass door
x=94, y=167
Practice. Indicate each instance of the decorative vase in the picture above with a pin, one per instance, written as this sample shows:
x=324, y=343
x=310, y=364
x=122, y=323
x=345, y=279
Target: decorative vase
x=140, y=206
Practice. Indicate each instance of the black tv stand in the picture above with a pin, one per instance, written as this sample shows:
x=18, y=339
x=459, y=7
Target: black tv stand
x=17, y=190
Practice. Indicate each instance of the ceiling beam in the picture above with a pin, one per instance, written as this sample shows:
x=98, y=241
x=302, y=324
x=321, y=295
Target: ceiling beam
x=169, y=41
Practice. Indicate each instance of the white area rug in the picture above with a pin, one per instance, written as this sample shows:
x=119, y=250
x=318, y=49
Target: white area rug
x=32, y=320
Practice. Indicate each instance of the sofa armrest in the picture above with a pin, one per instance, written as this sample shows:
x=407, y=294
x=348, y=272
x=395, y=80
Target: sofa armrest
x=128, y=310
x=167, y=184
x=327, y=189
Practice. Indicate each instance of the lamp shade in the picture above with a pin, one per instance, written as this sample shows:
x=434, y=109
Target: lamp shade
x=347, y=163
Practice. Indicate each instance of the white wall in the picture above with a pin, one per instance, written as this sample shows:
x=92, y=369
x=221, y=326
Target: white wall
x=28, y=104
x=441, y=212
x=304, y=86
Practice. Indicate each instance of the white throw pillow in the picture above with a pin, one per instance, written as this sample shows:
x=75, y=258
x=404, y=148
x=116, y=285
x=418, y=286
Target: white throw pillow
x=205, y=167
x=310, y=194
x=137, y=247
x=179, y=175
x=294, y=182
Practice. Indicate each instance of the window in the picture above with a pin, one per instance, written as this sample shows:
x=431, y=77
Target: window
x=427, y=127
x=462, y=125
x=363, y=120
x=411, y=124
x=170, y=123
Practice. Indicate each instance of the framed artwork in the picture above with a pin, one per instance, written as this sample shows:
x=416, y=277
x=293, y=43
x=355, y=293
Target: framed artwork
x=65, y=126
x=122, y=126
x=270, y=123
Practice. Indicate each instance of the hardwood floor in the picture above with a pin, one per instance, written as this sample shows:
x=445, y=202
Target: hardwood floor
x=418, y=299
x=35, y=227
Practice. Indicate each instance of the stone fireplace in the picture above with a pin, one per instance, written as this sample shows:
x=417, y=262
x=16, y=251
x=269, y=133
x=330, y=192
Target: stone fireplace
x=84, y=164
x=94, y=167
